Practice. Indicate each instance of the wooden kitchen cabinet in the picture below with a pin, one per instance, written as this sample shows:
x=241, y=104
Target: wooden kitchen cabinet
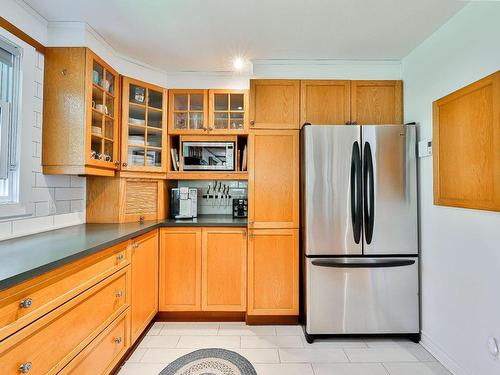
x=224, y=265
x=466, y=125
x=376, y=102
x=228, y=111
x=80, y=118
x=274, y=104
x=188, y=111
x=144, y=127
x=180, y=269
x=273, y=179
x=273, y=272
x=325, y=102
x=144, y=265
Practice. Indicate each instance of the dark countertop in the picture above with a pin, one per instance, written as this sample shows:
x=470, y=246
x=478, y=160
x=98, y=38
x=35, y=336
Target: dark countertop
x=25, y=257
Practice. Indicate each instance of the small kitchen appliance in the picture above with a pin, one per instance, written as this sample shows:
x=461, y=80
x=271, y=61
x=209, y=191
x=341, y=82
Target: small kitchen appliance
x=208, y=156
x=184, y=203
x=240, y=207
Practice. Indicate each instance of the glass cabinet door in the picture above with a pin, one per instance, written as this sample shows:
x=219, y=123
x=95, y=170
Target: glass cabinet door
x=188, y=110
x=103, y=116
x=143, y=126
x=228, y=111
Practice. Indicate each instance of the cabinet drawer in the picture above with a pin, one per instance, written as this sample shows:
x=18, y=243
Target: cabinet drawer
x=104, y=352
x=49, y=343
x=26, y=302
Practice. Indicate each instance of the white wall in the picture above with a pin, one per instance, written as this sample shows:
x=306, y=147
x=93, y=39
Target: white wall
x=460, y=247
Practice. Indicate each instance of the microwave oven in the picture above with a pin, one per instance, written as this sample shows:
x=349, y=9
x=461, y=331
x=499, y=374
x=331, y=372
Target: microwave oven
x=206, y=155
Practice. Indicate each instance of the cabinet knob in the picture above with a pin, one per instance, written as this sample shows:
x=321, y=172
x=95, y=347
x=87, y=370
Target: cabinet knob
x=25, y=367
x=26, y=303
x=252, y=122
x=250, y=235
x=120, y=257
x=124, y=164
x=250, y=222
x=119, y=294
x=135, y=245
x=117, y=163
x=118, y=339
x=244, y=233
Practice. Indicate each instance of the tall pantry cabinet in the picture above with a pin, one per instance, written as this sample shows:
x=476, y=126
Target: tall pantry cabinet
x=273, y=196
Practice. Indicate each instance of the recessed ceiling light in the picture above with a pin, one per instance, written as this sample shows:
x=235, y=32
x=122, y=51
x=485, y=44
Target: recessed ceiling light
x=238, y=63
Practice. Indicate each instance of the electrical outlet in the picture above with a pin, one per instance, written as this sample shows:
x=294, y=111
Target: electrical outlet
x=424, y=149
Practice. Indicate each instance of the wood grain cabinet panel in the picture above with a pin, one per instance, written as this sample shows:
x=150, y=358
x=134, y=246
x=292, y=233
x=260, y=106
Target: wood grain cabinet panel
x=28, y=301
x=376, y=102
x=273, y=180
x=273, y=272
x=80, y=117
x=325, y=102
x=49, y=343
x=467, y=146
x=274, y=104
x=102, y=354
x=224, y=265
x=144, y=267
x=180, y=269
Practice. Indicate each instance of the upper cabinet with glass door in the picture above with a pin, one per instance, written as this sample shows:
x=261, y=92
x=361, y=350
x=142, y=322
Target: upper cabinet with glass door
x=80, y=131
x=144, y=127
x=228, y=111
x=188, y=112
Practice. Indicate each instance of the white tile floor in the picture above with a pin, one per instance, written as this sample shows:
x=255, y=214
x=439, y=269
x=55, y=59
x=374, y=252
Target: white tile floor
x=281, y=350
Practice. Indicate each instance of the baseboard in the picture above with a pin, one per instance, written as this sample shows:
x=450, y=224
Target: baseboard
x=272, y=319
x=440, y=354
x=200, y=316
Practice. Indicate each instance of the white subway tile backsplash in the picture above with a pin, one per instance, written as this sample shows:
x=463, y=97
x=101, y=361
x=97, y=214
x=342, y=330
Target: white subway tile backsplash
x=42, y=209
x=63, y=207
x=69, y=190
x=64, y=194
x=32, y=225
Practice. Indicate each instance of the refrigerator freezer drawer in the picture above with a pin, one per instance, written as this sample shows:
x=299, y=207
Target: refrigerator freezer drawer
x=362, y=295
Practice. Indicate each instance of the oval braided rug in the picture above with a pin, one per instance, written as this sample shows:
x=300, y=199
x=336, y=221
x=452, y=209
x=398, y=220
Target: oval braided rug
x=210, y=362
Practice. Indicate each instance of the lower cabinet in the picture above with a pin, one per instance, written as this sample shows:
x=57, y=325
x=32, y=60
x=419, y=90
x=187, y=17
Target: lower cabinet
x=144, y=266
x=273, y=272
x=47, y=345
x=203, y=269
x=104, y=353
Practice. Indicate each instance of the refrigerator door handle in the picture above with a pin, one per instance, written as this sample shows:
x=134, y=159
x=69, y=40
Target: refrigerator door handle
x=362, y=263
x=368, y=192
x=356, y=193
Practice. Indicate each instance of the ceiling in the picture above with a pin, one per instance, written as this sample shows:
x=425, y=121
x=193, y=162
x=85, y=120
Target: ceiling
x=204, y=35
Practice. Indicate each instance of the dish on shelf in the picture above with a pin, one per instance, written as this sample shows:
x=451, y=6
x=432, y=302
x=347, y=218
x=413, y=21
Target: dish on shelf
x=136, y=121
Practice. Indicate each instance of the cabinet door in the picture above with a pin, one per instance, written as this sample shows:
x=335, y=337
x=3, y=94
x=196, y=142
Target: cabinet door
x=376, y=102
x=144, y=127
x=188, y=111
x=467, y=146
x=228, y=111
x=273, y=179
x=274, y=104
x=273, y=272
x=325, y=102
x=102, y=113
x=180, y=269
x=144, y=282
x=224, y=263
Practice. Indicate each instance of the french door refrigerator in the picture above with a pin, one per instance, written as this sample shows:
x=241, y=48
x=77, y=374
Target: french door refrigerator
x=359, y=230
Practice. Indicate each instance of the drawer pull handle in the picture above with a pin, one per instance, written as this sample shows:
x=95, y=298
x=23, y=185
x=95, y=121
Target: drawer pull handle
x=120, y=257
x=118, y=340
x=25, y=367
x=119, y=294
x=135, y=246
x=26, y=303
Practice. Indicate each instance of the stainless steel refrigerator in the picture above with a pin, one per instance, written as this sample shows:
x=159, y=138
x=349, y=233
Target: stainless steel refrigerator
x=360, y=230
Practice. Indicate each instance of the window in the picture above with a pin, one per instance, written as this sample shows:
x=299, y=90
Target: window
x=9, y=96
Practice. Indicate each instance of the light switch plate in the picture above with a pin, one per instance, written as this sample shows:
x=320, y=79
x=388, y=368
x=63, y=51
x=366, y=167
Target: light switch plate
x=424, y=149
